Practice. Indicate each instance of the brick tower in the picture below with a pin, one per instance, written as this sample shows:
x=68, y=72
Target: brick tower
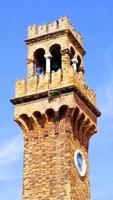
x=57, y=113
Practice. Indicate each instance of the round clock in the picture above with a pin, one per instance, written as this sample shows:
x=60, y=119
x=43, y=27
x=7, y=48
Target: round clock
x=80, y=163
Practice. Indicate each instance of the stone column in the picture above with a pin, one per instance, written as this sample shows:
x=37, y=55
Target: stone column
x=81, y=71
x=48, y=62
x=65, y=58
x=31, y=68
x=74, y=64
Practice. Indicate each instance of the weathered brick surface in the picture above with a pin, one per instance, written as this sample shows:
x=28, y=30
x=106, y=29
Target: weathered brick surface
x=49, y=169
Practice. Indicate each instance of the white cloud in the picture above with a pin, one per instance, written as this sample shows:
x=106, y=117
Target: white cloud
x=11, y=152
x=105, y=98
x=105, y=86
x=102, y=191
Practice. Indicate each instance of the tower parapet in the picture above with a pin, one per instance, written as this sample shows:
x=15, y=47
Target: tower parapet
x=42, y=83
x=58, y=25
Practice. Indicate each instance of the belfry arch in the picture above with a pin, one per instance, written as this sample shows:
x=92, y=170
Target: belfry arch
x=55, y=57
x=79, y=61
x=72, y=53
x=40, y=62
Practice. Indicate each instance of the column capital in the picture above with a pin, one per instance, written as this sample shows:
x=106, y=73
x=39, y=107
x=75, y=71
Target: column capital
x=47, y=55
x=65, y=51
x=74, y=61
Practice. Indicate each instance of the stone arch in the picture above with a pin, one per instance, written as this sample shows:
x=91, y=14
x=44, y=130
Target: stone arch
x=87, y=126
x=33, y=121
x=81, y=122
x=24, y=122
x=79, y=62
x=39, y=118
x=62, y=115
x=50, y=114
x=72, y=52
x=63, y=111
x=50, y=123
x=92, y=129
x=76, y=117
x=76, y=112
x=40, y=61
x=68, y=121
x=56, y=57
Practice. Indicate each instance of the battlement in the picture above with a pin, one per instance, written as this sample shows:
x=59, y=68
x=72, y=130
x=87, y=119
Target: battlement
x=58, y=25
x=37, y=84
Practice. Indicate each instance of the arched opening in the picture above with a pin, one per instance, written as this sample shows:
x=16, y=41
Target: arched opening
x=38, y=117
x=78, y=63
x=72, y=53
x=76, y=113
x=63, y=111
x=40, y=62
x=27, y=121
x=80, y=121
x=56, y=57
x=50, y=114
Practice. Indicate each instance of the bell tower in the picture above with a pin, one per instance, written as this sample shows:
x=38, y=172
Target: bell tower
x=57, y=112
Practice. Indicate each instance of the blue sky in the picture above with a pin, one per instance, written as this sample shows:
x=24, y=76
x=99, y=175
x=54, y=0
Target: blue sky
x=94, y=19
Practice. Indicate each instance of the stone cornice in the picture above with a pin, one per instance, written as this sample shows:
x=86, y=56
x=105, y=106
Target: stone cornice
x=56, y=34
x=54, y=94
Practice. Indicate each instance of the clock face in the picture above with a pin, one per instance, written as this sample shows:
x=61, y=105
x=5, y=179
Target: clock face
x=80, y=162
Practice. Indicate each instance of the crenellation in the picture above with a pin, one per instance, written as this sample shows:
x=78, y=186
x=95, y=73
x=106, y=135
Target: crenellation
x=56, y=76
x=58, y=25
x=32, y=31
x=20, y=88
x=52, y=27
x=41, y=29
x=90, y=89
x=63, y=23
x=58, y=79
x=90, y=93
x=31, y=84
x=43, y=83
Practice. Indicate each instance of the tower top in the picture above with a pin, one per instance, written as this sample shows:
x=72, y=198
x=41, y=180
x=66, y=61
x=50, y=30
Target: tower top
x=61, y=24
x=55, y=64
